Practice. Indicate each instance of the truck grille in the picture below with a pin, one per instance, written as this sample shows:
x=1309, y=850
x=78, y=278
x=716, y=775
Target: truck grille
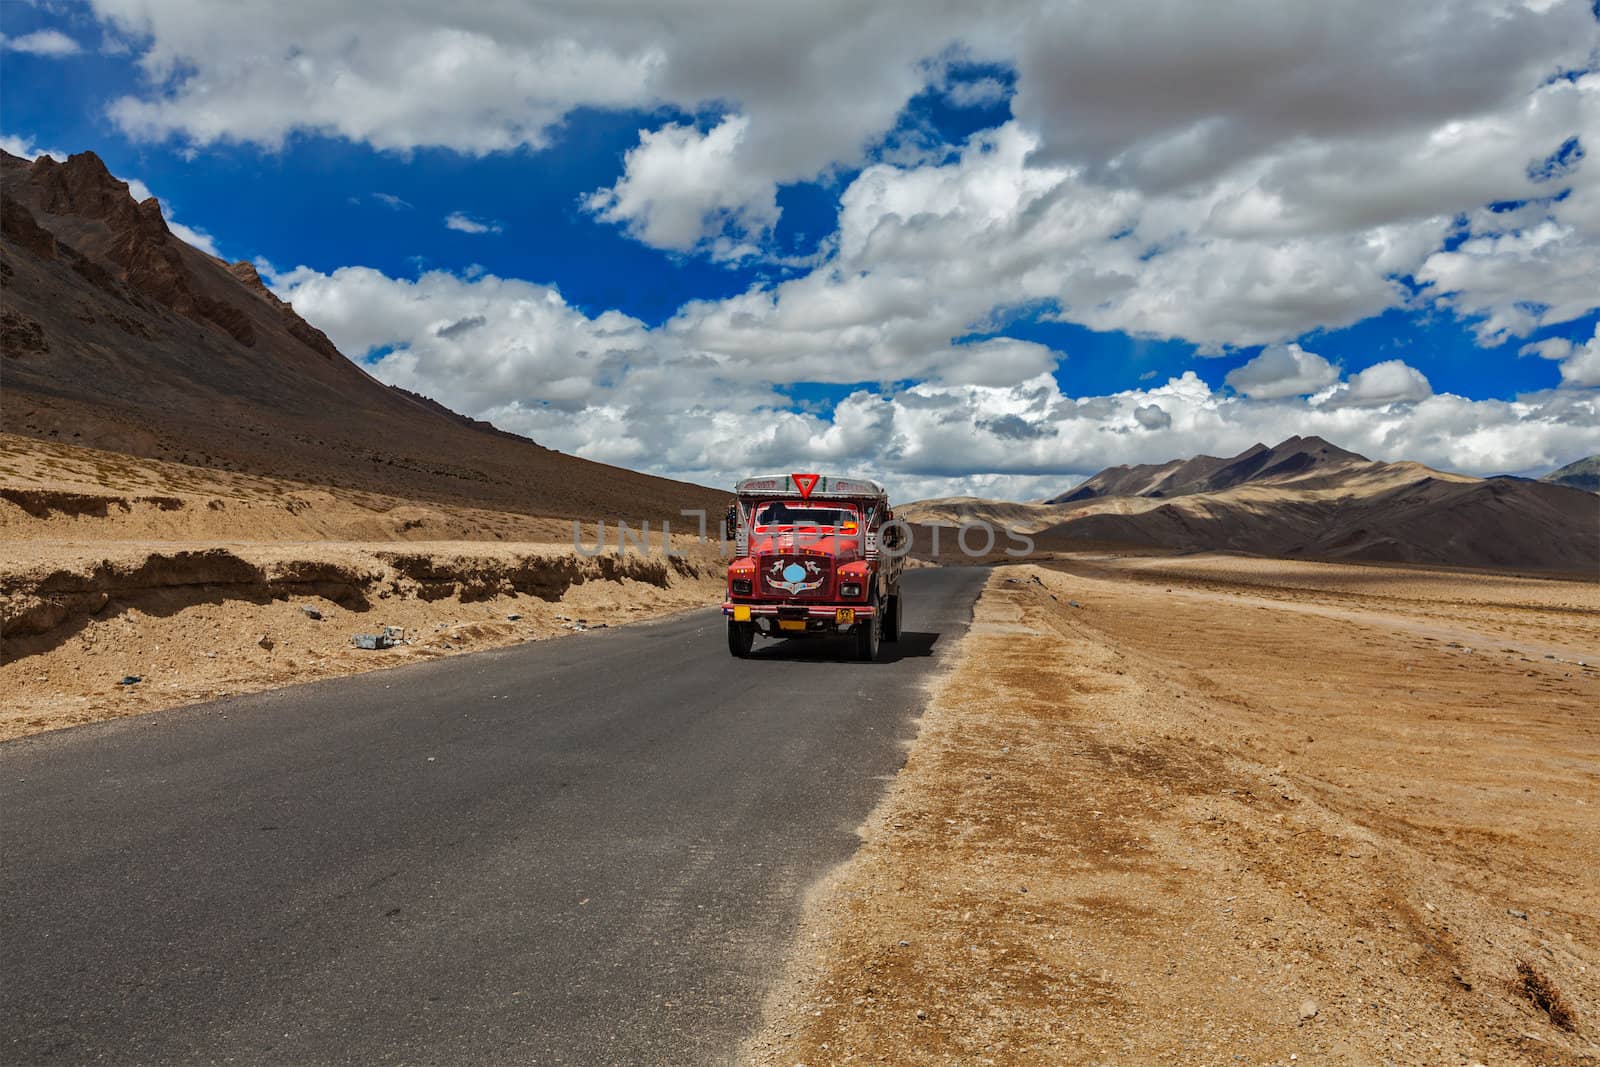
x=796, y=576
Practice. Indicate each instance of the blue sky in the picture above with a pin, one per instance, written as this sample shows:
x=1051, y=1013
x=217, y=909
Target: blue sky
x=767, y=228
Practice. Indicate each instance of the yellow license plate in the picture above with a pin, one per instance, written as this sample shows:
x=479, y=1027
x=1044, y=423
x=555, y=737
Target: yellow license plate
x=844, y=615
x=741, y=613
x=792, y=624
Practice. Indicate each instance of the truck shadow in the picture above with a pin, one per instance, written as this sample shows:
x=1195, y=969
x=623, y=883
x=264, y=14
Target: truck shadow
x=912, y=645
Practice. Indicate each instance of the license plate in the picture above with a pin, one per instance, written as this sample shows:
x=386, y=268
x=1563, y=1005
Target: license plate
x=792, y=624
x=741, y=613
x=844, y=616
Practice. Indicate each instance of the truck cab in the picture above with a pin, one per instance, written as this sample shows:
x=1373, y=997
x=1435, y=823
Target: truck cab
x=815, y=558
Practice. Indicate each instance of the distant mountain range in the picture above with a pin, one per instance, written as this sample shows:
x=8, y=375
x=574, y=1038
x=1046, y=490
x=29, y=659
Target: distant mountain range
x=1309, y=499
x=1583, y=474
x=1292, y=460
x=118, y=335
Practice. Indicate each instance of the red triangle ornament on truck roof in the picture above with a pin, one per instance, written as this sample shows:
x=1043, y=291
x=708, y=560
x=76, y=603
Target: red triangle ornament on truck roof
x=805, y=483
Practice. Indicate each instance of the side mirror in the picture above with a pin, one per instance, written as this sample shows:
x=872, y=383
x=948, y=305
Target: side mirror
x=730, y=523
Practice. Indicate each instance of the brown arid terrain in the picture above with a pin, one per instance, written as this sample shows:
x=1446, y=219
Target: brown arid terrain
x=204, y=583
x=1221, y=810
x=1307, y=499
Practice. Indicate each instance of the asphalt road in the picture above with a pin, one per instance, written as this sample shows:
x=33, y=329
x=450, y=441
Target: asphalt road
x=584, y=850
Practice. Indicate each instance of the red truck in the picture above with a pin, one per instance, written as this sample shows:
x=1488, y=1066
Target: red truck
x=816, y=558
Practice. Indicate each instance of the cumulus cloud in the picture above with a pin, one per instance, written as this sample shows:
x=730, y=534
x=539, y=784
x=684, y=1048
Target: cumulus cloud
x=1281, y=371
x=1391, y=382
x=1152, y=417
x=682, y=189
x=467, y=224
x=1533, y=263
x=612, y=389
x=1279, y=152
x=975, y=92
x=927, y=252
x=51, y=43
x=1238, y=175
x=26, y=149
x=1580, y=363
x=389, y=200
x=819, y=81
x=196, y=237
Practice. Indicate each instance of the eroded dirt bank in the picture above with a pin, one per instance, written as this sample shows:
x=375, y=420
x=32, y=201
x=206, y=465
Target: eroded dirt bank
x=1229, y=811
x=203, y=582
x=192, y=621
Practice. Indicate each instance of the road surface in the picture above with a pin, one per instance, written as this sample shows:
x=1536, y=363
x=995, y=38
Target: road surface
x=584, y=850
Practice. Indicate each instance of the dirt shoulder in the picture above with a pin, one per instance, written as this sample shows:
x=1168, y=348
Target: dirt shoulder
x=192, y=621
x=1229, y=811
x=202, y=583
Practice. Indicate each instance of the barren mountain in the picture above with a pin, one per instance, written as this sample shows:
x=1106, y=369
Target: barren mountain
x=118, y=335
x=1583, y=474
x=1294, y=459
x=1308, y=499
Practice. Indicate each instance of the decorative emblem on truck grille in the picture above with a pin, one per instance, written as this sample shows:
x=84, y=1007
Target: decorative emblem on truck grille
x=794, y=576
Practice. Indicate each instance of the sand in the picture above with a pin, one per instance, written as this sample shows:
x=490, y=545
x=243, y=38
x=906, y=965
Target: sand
x=1229, y=811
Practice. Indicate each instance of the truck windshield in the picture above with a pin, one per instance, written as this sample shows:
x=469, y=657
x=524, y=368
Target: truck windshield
x=779, y=513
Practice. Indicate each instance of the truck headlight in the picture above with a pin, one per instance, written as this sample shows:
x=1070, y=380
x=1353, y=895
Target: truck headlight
x=850, y=589
x=741, y=587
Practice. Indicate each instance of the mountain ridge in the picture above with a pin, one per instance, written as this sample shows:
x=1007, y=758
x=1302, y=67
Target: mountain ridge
x=118, y=335
x=1292, y=457
x=1306, y=498
x=1580, y=474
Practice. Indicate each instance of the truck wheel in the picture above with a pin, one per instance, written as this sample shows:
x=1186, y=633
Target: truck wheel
x=891, y=622
x=867, y=635
x=741, y=635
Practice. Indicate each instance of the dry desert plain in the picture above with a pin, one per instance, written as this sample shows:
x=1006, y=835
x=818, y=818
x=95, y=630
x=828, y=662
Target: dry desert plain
x=1221, y=810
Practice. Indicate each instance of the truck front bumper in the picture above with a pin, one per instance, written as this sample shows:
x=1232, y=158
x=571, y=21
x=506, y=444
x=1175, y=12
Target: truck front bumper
x=747, y=612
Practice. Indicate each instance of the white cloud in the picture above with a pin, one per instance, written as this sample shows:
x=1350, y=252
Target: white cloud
x=930, y=252
x=1281, y=371
x=389, y=200
x=975, y=92
x=26, y=149
x=467, y=224
x=611, y=389
x=1236, y=174
x=682, y=189
x=1152, y=417
x=1580, y=363
x=1535, y=265
x=52, y=43
x=194, y=236
x=1390, y=382
x=1167, y=93
x=1549, y=348
x=819, y=80
x=1239, y=174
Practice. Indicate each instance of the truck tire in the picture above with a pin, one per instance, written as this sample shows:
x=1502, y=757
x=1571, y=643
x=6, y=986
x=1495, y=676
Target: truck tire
x=741, y=636
x=891, y=621
x=868, y=634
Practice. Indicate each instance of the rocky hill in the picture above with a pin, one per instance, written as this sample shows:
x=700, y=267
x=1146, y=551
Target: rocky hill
x=118, y=335
x=1308, y=499
x=1293, y=459
x=1583, y=474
